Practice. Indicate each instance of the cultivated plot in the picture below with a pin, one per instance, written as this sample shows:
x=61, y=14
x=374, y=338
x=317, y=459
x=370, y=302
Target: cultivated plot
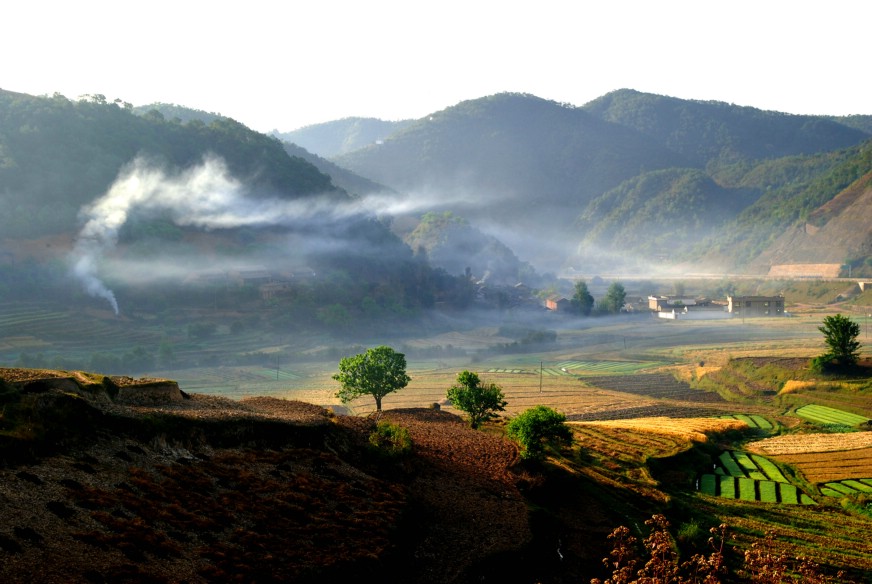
x=750, y=477
x=829, y=416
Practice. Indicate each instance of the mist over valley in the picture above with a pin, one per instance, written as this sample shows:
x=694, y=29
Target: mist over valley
x=188, y=225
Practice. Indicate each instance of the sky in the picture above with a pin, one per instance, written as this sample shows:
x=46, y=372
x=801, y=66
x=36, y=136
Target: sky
x=284, y=65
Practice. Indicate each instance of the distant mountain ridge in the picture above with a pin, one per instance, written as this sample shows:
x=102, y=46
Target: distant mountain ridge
x=341, y=136
x=590, y=183
x=626, y=178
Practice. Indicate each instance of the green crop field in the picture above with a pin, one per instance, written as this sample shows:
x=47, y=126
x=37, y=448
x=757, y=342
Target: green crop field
x=825, y=415
x=753, y=420
x=849, y=487
x=730, y=465
x=747, y=489
x=750, y=478
x=769, y=469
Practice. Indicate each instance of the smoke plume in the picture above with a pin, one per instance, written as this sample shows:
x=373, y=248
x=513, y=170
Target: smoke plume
x=205, y=196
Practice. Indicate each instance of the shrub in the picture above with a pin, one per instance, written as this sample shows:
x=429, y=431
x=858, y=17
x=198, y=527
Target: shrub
x=537, y=427
x=390, y=440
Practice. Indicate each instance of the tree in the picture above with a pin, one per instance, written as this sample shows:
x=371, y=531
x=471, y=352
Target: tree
x=377, y=372
x=840, y=335
x=480, y=400
x=614, y=298
x=582, y=300
x=533, y=429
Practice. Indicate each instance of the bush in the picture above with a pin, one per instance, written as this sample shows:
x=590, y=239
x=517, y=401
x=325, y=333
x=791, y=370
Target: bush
x=537, y=427
x=390, y=440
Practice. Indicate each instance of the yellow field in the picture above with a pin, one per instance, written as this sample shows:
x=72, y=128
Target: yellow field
x=693, y=429
x=795, y=385
x=811, y=443
x=832, y=466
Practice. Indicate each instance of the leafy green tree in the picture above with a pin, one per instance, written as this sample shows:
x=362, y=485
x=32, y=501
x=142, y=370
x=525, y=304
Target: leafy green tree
x=537, y=427
x=840, y=335
x=481, y=401
x=614, y=299
x=582, y=300
x=377, y=372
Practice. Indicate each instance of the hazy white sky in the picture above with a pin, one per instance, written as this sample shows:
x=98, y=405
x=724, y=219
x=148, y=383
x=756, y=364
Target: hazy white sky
x=283, y=65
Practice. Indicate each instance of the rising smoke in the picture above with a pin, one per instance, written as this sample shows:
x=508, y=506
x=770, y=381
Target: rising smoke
x=205, y=196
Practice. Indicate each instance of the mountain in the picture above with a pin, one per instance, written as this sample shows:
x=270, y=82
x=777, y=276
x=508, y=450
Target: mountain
x=513, y=161
x=627, y=175
x=342, y=178
x=711, y=131
x=177, y=113
x=339, y=137
x=793, y=191
x=659, y=211
x=838, y=232
x=452, y=244
x=189, y=197
x=57, y=155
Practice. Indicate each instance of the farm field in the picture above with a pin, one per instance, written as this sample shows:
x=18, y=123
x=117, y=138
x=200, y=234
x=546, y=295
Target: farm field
x=825, y=415
x=831, y=466
x=750, y=478
x=689, y=429
x=851, y=487
x=809, y=443
x=584, y=368
x=753, y=420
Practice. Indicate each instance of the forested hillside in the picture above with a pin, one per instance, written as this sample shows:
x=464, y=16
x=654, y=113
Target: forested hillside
x=628, y=177
x=710, y=132
x=57, y=155
x=194, y=202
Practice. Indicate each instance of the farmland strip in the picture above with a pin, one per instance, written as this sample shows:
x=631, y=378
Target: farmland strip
x=728, y=487
x=768, y=491
x=708, y=484
x=862, y=487
x=842, y=488
x=730, y=465
x=747, y=489
x=788, y=494
x=769, y=469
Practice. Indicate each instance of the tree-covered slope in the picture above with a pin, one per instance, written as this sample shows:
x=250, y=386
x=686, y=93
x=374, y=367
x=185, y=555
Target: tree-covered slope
x=711, y=131
x=516, y=159
x=57, y=155
x=793, y=191
x=659, y=213
x=454, y=245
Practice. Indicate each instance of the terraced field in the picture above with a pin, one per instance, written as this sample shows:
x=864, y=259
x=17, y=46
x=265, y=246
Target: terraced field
x=26, y=326
x=849, y=487
x=750, y=477
x=753, y=420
